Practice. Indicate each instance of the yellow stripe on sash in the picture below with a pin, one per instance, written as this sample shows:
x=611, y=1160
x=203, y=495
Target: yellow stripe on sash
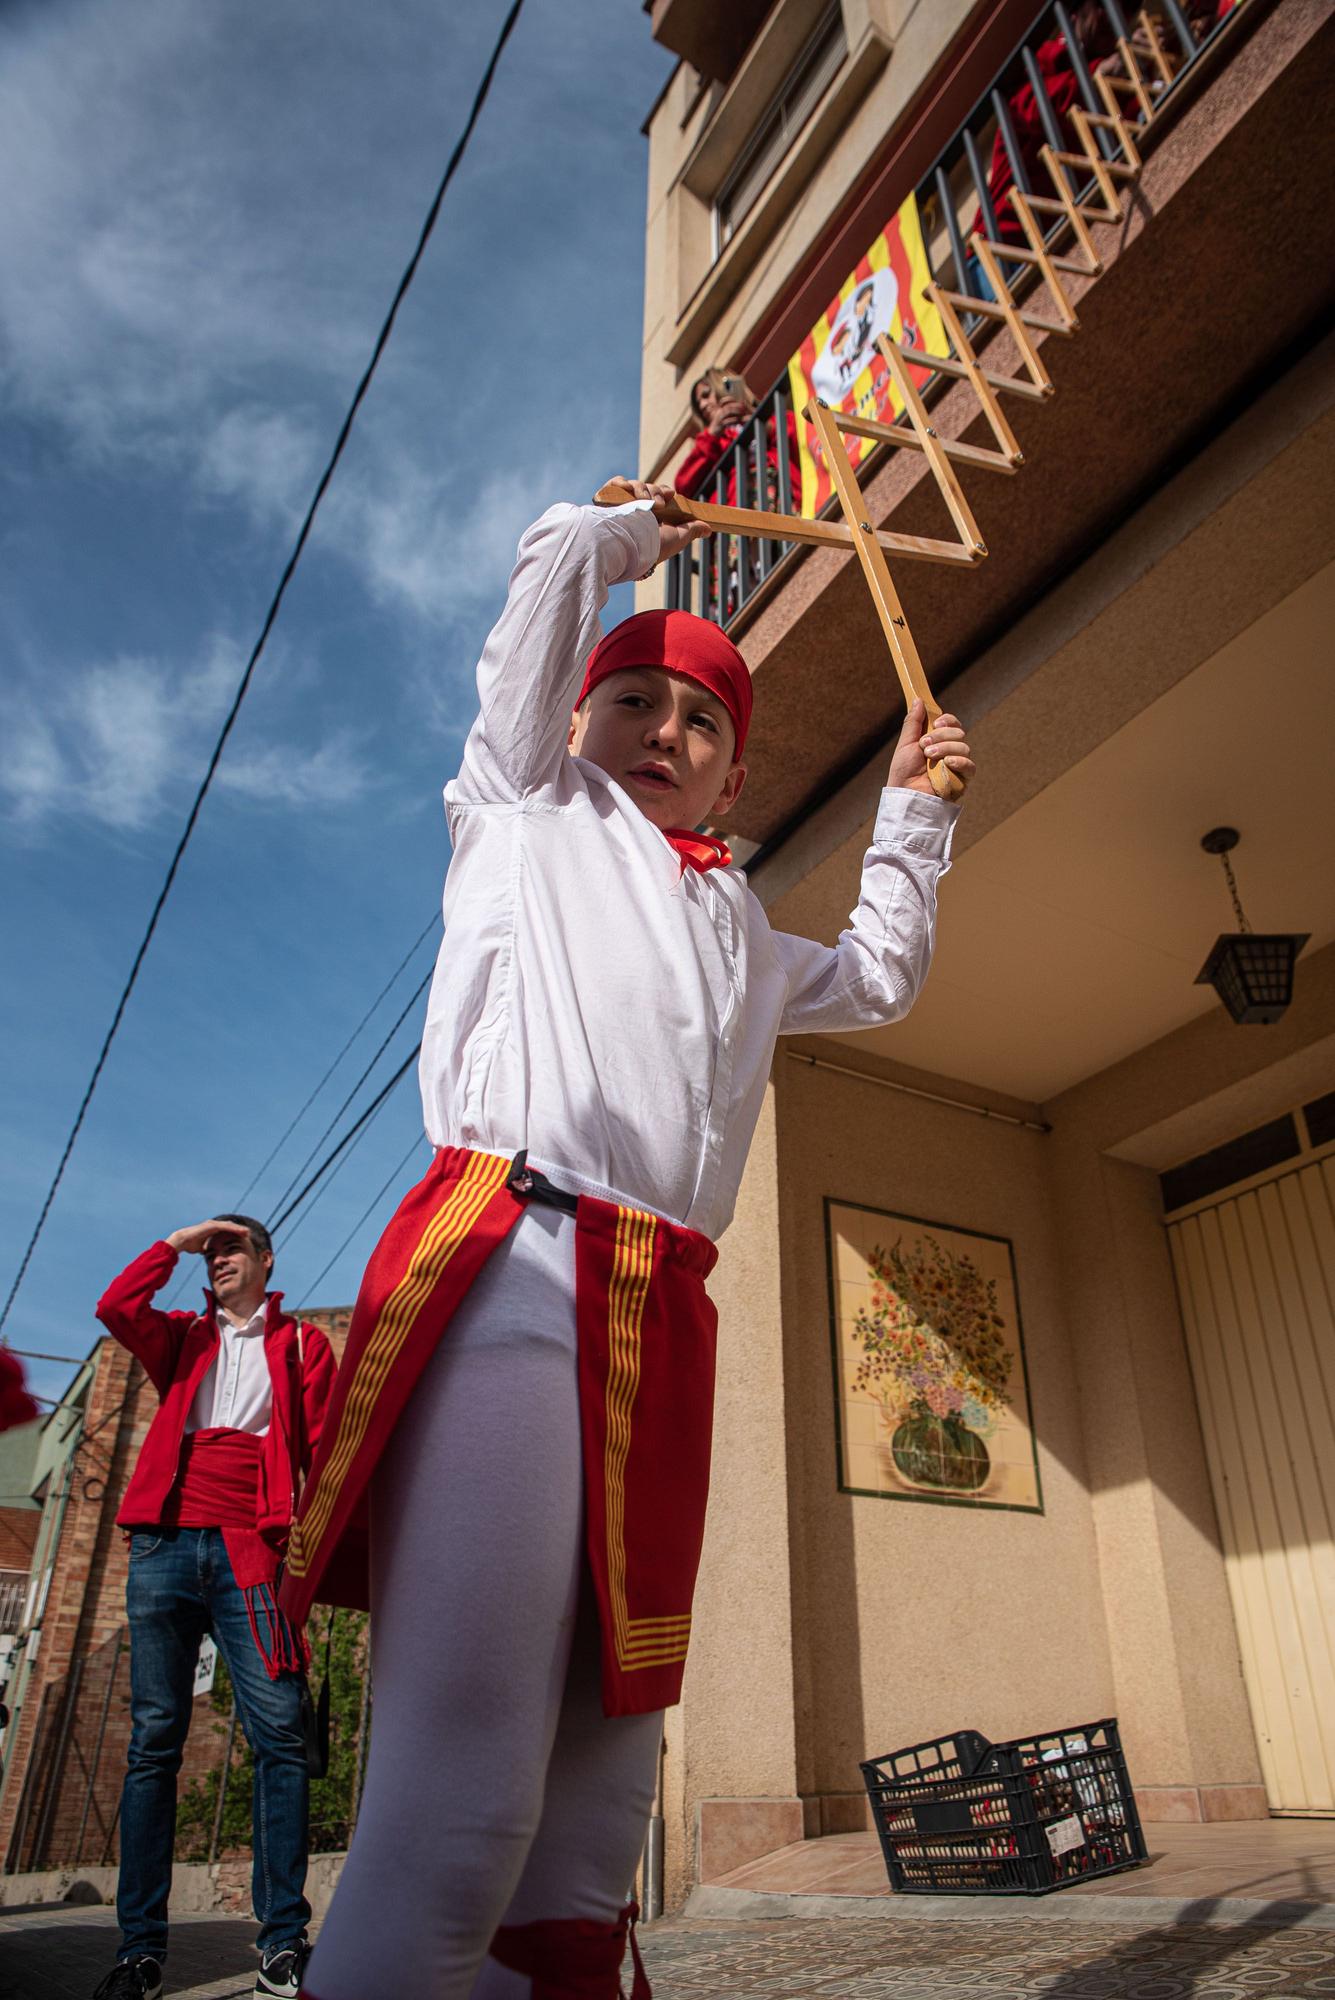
x=448, y=1228
x=640, y=1642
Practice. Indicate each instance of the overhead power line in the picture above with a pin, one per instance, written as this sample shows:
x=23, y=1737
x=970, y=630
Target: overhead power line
x=283, y=1240
x=277, y=1148
x=407, y=1008
x=271, y=615
x=238, y=1206
x=347, y=1138
x=373, y=1203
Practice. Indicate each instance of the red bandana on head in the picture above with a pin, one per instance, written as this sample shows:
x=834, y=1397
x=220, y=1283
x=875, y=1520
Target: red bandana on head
x=684, y=644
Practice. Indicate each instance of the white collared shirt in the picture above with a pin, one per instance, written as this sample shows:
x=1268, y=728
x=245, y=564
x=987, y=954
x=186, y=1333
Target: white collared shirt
x=237, y=1393
x=592, y=1002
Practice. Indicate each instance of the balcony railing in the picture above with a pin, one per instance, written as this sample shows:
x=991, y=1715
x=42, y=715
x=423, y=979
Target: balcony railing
x=13, y=1592
x=720, y=577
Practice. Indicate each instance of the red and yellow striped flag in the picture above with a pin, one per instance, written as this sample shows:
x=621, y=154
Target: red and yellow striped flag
x=837, y=362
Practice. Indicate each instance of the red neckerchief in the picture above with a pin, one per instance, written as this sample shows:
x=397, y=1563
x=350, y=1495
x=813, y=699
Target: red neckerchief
x=698, y=850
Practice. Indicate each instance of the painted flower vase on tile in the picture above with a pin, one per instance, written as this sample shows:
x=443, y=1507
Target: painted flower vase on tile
x=940, y=1451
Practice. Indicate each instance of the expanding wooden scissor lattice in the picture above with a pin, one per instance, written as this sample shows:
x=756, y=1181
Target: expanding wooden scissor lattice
x=1074, y=212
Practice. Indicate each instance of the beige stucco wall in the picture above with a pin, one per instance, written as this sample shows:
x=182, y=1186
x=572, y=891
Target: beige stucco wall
x=734, y=1735
x=834, y=1626
x=697, y=311
x=1174, y=1643
x=916, y=1618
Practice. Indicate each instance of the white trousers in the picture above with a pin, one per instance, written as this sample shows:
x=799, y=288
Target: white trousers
x=496, y=1789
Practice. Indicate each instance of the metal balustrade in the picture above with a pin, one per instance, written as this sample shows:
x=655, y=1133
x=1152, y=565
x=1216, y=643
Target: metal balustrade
x=720, y=577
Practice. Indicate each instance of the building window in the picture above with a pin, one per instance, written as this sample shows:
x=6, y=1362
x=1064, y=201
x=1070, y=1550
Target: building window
x=781, y=124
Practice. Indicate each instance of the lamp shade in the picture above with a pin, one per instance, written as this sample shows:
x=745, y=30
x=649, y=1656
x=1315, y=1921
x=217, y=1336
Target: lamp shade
x=1253, y=975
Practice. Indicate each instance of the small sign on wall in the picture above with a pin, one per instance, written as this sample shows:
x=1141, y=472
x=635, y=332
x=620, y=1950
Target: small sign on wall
x=206, y=1666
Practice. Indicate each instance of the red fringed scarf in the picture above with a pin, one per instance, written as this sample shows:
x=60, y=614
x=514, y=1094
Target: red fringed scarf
x=218, y=1487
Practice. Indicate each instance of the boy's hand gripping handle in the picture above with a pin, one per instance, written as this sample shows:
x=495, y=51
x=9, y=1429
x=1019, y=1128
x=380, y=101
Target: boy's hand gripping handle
x=616, y=493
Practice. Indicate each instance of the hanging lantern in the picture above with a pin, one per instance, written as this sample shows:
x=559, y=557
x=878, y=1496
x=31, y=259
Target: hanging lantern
x=1251, y=972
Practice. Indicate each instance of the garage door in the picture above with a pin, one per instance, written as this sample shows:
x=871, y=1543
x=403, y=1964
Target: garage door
x=1256, y=1275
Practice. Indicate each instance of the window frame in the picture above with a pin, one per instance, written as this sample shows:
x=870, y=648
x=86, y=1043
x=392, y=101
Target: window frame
x=831, y=29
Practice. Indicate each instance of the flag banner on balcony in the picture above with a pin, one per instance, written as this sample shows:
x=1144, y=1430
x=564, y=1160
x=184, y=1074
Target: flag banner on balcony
x=838, y=362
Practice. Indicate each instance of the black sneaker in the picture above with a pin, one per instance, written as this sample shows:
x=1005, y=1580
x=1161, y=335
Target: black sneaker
x=132, y=1979
x=279, y=1978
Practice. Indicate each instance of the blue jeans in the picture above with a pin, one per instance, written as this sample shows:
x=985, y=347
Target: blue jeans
x=181, y=1586
x=979, y=282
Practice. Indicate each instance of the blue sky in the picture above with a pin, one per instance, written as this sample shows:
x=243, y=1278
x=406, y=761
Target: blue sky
x=208, y=211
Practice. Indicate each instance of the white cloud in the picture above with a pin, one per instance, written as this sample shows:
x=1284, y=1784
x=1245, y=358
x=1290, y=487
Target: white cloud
x=272, y=775
x=122, y=740
x=200, y=261
x=266, y=458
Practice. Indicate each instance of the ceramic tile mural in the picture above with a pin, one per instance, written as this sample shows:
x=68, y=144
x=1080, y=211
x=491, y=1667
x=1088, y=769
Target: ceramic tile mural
x=931, y=1387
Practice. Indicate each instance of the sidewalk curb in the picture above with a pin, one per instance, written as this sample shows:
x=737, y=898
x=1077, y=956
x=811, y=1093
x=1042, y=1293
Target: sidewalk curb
x=712, y=1899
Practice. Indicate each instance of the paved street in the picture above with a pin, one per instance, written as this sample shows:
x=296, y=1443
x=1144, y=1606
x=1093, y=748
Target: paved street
x=60, y=1954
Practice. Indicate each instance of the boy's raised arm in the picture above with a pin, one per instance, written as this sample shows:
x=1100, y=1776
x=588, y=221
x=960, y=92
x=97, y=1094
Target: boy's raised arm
x=531, y=665
x=873, y=975
x=875, y=972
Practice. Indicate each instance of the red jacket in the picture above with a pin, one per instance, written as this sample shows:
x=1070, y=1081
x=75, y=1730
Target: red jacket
x=1062, y=87
x=707, y=449
x=177, y=1349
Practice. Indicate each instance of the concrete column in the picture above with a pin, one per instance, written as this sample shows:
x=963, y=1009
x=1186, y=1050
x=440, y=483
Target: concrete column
x=731, y=1790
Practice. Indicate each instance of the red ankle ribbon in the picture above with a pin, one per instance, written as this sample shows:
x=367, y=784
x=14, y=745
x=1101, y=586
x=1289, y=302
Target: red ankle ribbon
x=574, y=1959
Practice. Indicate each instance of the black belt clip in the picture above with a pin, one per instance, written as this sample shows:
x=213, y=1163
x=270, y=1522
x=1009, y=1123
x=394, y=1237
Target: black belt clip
x=531, y=1185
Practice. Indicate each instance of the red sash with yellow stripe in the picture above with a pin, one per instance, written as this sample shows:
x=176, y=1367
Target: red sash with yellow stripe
x=646, y=1330
x=646, y=1387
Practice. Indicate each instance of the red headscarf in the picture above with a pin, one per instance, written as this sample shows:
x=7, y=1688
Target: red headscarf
x=684, y=644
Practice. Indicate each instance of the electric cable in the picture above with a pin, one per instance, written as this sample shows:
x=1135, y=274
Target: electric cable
x=376, y=1198
x=31, y=1354
x=325, y=1185
x=238, y=1205
x=347, y=1138
x=408, y=1005
x=260, y=1172
x=271, y=615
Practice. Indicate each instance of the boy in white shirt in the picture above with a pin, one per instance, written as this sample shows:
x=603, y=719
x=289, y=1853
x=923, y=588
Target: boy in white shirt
x=515, y=1464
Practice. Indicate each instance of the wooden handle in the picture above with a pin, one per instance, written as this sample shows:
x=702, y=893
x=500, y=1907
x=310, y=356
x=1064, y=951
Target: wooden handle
x=945, y=783
x=616, y=492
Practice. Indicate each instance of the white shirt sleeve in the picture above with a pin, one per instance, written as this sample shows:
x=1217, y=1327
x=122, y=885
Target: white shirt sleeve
x=534, y=658
x=876, y=971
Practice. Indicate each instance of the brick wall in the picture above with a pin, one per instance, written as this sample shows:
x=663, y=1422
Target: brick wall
x=335, y=1321
x=86, y=1609
x=18, y=1533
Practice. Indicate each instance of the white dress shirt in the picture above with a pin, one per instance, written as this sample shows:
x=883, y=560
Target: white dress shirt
x=237, y=1392
x=593, y=1002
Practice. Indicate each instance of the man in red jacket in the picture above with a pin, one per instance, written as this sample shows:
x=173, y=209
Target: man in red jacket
x=243, y=1391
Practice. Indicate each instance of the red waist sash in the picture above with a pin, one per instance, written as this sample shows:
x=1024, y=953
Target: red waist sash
x=646, y=1330
x=217, y=1485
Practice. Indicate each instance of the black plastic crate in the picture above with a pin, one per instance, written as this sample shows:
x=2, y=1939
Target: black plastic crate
x=965, y=1817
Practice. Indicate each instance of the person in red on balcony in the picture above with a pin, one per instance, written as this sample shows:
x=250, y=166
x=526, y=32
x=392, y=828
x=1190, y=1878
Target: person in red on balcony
x=243, y=1391
x=722, y=404
x=1098, y=42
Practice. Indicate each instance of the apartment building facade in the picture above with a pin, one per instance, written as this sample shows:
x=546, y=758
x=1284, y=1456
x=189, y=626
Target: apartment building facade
x=1124, y=1505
